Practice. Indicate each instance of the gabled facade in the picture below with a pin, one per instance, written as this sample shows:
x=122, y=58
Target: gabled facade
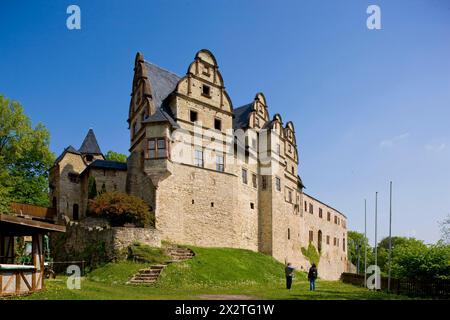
x=218, y=175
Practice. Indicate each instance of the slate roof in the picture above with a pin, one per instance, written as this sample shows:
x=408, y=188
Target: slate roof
x=90, y=144
x=163, y=83
x=241, y=116
x=107, y=164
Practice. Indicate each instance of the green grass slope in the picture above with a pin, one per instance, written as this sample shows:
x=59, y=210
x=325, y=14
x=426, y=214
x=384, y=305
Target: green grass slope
x=223, y=267
x=213, y=271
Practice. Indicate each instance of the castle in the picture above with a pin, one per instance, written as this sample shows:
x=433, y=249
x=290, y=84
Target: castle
x=215, y=175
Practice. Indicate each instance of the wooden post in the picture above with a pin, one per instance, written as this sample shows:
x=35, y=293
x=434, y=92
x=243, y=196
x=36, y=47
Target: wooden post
x=33, y=255
x=17, y=274
x=38, y=261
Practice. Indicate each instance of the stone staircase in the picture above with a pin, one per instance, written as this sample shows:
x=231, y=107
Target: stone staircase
x=151, y=274
x=180, y=254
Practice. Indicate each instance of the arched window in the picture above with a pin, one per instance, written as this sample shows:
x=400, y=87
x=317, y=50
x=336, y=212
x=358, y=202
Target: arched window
x=75, y=213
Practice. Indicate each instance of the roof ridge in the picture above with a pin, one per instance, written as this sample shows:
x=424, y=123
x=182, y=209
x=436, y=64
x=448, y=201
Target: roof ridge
x=164, y=69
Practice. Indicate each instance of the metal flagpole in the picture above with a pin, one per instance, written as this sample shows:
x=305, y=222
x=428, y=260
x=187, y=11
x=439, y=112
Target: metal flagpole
x=390, y=235
x=376, y=249
x=365, y=242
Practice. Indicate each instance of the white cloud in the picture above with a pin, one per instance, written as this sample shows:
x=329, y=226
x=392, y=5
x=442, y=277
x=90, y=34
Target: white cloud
x=436, y=147
x=389, y=143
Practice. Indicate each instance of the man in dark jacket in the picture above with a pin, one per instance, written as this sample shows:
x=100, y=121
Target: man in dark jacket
x=289, y=271
x=312, y=276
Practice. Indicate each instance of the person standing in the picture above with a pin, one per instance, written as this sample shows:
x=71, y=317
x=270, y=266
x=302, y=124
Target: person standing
x=289, y=271
x=312, y=276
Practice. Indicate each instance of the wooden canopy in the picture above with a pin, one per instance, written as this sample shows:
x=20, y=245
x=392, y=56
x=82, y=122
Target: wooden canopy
x=18, y=226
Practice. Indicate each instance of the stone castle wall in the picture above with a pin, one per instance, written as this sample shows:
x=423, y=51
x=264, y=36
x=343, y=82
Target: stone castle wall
x=96, y=242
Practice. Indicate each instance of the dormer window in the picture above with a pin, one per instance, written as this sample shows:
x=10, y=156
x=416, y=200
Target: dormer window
x=206, y=91
x=89, y=158
x=206, y=70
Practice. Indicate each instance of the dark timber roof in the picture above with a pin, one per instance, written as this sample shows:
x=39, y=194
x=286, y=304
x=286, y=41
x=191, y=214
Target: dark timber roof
x=106, y=164
x=90, y=144
x=241, y=116
x=162, y=83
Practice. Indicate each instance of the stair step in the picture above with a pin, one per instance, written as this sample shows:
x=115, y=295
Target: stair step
x=141, y=282
x=145, y=279
x=150, y=271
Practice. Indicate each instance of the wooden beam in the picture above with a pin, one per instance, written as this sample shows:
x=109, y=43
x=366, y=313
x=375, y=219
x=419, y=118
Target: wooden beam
x=17, y=281
x=26, y=281
x=12, y=220
x=8, y=283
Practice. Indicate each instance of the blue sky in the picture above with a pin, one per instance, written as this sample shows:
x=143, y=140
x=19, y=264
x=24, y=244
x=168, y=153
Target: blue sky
x=368, y=106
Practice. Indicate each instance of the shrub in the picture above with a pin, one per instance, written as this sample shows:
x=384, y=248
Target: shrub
x=311, y=254
x=121, y=208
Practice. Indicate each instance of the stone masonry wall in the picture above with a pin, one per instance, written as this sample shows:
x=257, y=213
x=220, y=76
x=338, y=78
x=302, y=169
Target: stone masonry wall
x=97, y=242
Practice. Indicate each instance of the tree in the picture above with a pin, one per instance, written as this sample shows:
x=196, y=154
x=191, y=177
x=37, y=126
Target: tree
x=416, y=260
x=445, y=230
x=92, y=188
x=25, y=157
x=356, y=241
x=121, y=208
x=115, y=156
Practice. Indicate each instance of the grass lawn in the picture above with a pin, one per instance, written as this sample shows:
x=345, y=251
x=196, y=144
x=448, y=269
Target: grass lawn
x=213, y=271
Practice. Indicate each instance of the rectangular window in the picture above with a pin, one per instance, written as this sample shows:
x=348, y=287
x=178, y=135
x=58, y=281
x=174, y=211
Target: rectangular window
x=206, y=90
x=328, y=239
x=289, y=233
x=193, y=116
x=152, y=148
x=320, y=212
x=157, y=148
x=290, y=196
x=328, y=216
x=219, y=163
x=278, y=183
x=244, y=176
x=217, y=124
x=161, y=148
x=311, y=236
x=306, y=207
x=252, y=205
x=198, y=159
x=254, y=180
x=334, y=241
x=311, y=209
x=264, y=182
x=335, y=219
x=343, y=244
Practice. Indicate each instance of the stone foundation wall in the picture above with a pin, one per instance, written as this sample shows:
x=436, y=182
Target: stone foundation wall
x=99, y=243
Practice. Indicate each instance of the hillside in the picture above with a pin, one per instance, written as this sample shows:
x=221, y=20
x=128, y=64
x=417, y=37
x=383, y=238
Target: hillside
x=211, y=273
x=211, y=267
